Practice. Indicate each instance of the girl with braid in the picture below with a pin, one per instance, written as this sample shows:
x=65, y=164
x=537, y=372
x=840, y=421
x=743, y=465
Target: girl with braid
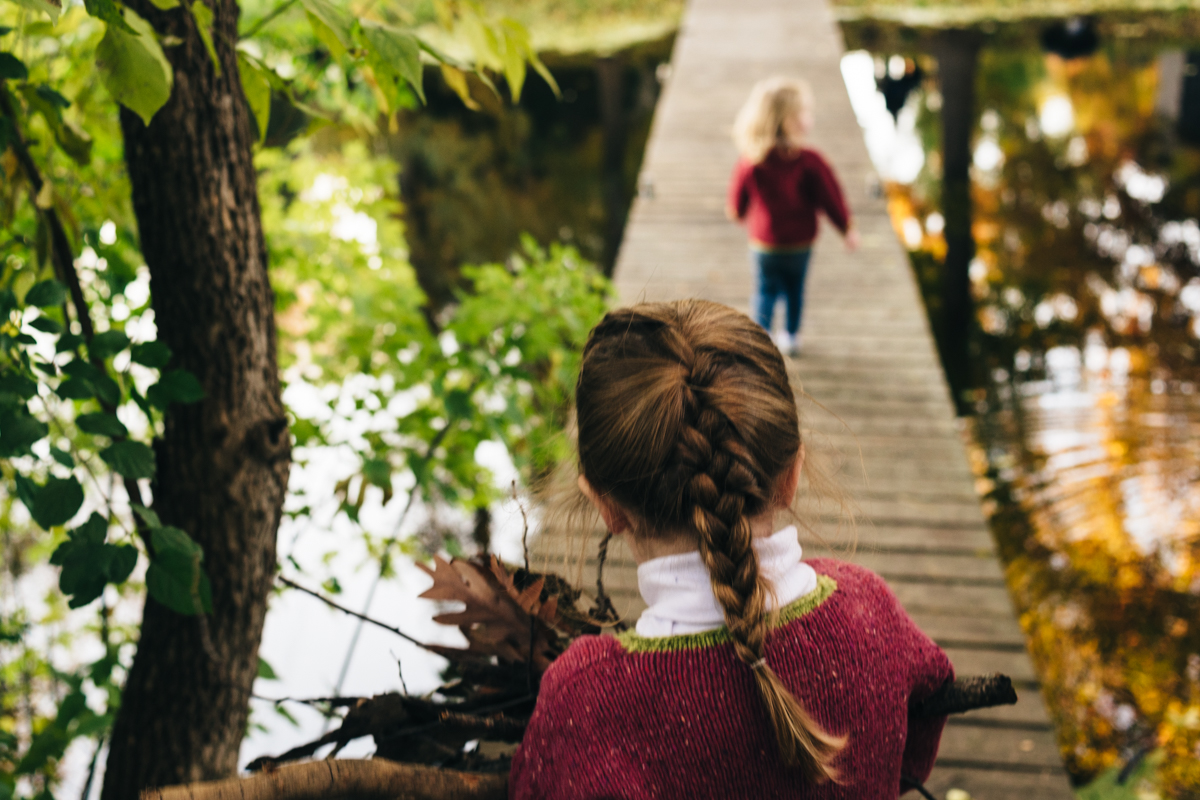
x=752, y=673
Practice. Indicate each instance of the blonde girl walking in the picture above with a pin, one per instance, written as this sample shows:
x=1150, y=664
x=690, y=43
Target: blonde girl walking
x=752, y=673
x=778, y=186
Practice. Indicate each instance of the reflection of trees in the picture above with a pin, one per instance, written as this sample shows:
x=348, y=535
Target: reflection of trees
x=473, y=183
x=1094, y=488
x=958, y=56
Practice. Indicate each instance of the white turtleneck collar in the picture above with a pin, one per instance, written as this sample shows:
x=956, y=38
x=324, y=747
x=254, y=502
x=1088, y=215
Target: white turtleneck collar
x=680, y=597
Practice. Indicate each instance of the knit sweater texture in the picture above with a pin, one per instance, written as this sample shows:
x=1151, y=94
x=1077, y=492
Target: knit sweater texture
x=779, y=198
x=632, y=718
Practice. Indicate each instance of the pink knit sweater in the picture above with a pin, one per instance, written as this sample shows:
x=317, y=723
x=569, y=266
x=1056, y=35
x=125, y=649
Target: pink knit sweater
x=635, y=718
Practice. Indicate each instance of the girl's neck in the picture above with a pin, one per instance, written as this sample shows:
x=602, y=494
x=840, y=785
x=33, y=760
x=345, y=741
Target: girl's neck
x=644, y=548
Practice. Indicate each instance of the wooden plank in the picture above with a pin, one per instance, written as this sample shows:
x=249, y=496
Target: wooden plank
x=887, y=430
x=986, y=746
x=992, y=784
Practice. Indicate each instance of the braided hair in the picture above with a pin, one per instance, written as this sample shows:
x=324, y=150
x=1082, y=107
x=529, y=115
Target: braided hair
x=687, y=420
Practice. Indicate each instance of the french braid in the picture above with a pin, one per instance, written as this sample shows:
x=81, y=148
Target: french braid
x=687, y=419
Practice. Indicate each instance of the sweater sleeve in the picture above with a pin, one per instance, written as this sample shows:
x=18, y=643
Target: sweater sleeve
x=828, y=193
x=738, y=200
x=930, y=669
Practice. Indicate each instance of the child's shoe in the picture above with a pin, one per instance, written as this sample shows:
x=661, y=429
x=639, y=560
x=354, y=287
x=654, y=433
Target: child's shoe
x=785, y=342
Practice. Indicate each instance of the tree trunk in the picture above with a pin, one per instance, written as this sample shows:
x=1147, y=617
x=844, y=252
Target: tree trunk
x=222, y=462
x=957, y=53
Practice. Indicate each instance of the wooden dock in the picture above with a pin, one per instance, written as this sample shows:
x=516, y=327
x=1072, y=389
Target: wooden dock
x=868, y=358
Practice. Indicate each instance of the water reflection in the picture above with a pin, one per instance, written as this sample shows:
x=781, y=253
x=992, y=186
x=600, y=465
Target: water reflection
x=1085, y=383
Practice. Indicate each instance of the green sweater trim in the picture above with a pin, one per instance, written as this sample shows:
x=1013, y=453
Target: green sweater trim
x=634, y=643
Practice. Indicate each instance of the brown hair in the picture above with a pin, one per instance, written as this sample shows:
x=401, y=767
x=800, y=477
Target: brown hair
x=686, y=419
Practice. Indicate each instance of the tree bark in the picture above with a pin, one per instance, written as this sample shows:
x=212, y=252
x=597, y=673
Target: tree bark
x=957, y=53
x=222, y=462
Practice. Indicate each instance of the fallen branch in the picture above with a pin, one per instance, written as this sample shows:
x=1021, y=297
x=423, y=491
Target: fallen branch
x=966, y=694
x=376, y=779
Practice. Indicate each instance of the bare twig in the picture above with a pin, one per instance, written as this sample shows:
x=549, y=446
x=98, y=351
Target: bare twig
x=332, y=702
x=91, y=775
x=268, y=19
x=363, y=617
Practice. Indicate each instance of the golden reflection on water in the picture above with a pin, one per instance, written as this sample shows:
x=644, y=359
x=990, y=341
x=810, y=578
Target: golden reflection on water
x=1087, y=425
x=1094, y=493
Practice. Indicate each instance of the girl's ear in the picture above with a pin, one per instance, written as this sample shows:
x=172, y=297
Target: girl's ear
x=614, y=517
x=785, y=489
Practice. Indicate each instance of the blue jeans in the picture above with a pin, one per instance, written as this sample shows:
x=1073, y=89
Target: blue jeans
x=780, y=274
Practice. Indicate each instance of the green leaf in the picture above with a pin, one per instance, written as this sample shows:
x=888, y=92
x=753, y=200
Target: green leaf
x=142, y=403
x=176, y=386
x=130, y=459
x=26, y=489
x=75, y=389
x=79, y=368
x=165, y=5
x=151, y=354
x=331, y=25
x=175, y=577
x=52, y=8
x=516, y=47
x=102, y=424
x=74, y=141
x=257, y=88
x=88, y=564
x=8, y=300
x=108, y=343
x=52, y=96
x=62, y=457
x=17, y=387
x=265, y=671
x=108, y=11
x=394, y=56
x=68, y=342
x=107, y=390
x=46, y=294
x=134, y=69
x=45, y=325
x=148, y=516
x=378, y=473
x=124, y=559
x=204, y=25
x=56, y=502
x=18, y=431
x=12, y=68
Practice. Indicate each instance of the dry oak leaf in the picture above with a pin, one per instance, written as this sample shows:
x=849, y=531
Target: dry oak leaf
x=492, y=619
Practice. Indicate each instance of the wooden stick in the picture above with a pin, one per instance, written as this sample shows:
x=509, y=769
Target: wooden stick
x=376, y=779
x=966, y=694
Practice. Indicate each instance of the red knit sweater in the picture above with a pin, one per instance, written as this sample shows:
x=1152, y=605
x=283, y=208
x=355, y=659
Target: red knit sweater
x=779, y=197
x=633, y=718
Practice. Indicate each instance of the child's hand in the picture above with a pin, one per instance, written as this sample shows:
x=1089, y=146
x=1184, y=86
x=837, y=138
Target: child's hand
x=852, y=240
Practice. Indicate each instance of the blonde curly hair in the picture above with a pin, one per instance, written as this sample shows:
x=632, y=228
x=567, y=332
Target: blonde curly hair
x=759, y=125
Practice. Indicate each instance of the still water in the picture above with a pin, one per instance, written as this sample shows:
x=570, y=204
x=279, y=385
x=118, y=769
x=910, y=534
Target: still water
x=1085, y=376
